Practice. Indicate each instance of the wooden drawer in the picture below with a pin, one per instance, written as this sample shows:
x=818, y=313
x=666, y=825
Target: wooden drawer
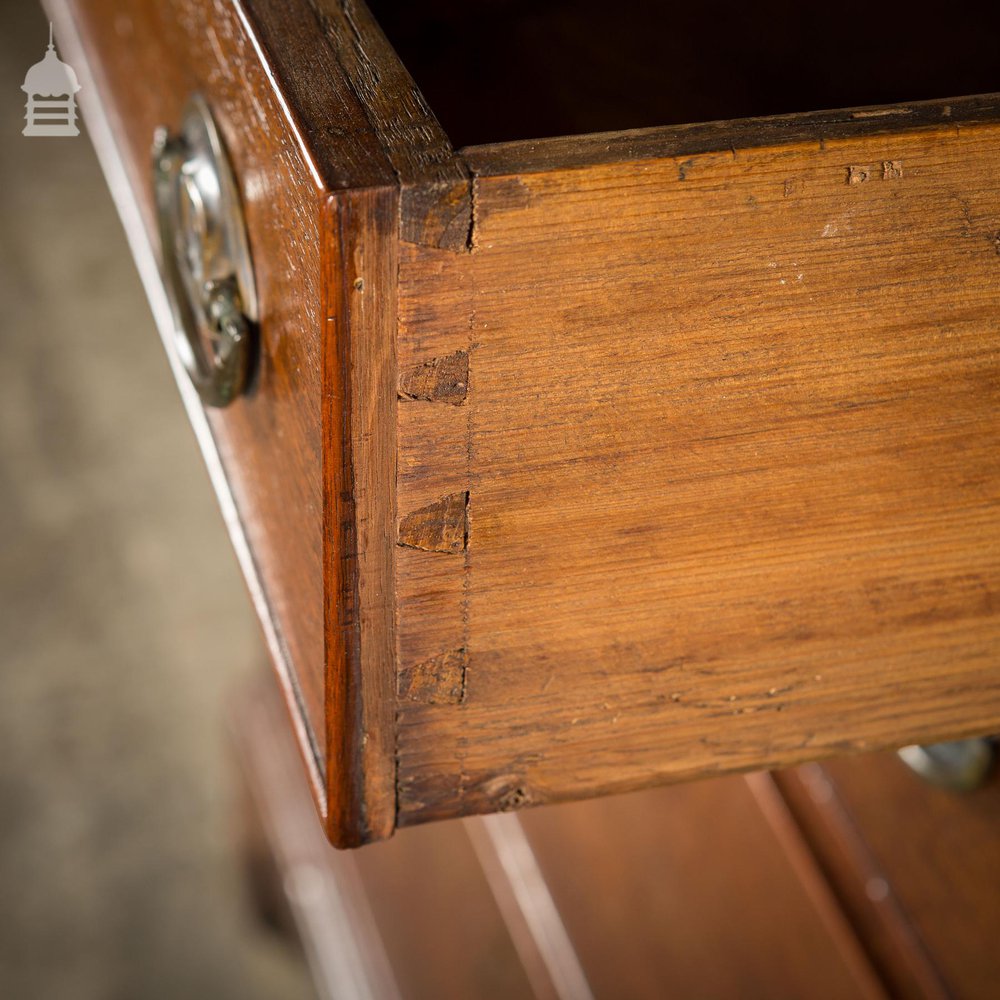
x=577, y=465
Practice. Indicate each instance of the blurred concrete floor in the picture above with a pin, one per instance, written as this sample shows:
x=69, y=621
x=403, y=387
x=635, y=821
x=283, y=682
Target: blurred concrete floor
x=123, y=620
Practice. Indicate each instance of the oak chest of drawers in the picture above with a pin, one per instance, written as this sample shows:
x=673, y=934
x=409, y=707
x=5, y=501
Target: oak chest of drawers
x=577, y=465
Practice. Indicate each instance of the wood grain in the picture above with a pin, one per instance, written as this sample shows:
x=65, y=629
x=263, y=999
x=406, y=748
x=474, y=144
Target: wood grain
x=686, y=140
x=728, y=439
x=359, y=513
x=440, y=380
x=434, y=183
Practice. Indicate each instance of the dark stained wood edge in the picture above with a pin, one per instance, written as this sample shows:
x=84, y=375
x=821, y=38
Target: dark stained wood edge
x=535, y=156
x=399, y=117
x=359, y=247
x=360, y=118
x=332, y=127
x=436, y=194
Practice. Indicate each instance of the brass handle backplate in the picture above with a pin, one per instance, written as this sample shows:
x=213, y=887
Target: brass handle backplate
x=205, y=255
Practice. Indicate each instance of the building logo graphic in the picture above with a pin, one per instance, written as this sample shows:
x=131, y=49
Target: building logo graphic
x=51, y=86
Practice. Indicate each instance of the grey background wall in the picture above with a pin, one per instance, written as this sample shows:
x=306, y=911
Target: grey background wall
x=124, y=625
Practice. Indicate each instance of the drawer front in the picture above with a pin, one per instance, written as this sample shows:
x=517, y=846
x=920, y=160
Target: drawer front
x=146, y=60
x=282, y=454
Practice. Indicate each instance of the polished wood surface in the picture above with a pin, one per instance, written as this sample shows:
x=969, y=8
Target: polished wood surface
x=358, y=511
x=687, y=892
x=582, y=465
x=269, y=441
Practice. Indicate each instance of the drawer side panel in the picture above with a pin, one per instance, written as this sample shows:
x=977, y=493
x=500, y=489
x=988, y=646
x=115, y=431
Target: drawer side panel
x=730, y=452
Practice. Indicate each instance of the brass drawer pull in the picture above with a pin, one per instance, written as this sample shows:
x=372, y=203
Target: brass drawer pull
x=205, y=255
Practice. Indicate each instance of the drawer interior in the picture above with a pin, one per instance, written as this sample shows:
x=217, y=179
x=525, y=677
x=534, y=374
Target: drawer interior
x=500, y=70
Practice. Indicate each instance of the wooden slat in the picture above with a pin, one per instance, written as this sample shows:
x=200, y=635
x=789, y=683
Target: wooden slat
x=916, y=867
x=734, y=499
x=438, y=919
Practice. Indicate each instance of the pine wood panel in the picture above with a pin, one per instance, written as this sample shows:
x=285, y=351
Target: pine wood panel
x=729, y=447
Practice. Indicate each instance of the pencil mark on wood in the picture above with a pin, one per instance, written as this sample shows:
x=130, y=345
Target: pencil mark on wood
x=442, y=526
x=440, y=380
